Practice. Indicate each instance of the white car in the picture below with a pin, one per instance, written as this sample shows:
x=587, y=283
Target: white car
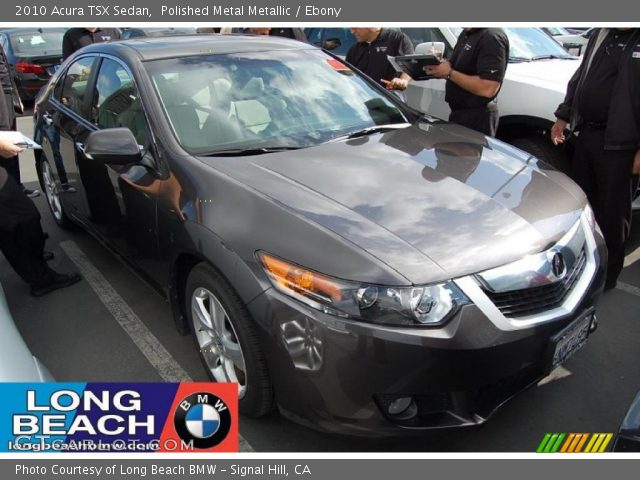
x=17, y=363
x=574, y=42
x=535, y=84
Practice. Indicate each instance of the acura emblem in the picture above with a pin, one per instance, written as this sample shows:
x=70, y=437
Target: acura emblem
x=558, y=267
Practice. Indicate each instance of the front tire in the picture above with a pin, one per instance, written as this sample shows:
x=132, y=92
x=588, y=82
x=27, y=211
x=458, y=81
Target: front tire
x=226, y=339
x=51, y=189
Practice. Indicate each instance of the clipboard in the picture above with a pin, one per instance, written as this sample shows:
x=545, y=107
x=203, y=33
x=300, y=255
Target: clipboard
x=413, y=65
x=17, y=138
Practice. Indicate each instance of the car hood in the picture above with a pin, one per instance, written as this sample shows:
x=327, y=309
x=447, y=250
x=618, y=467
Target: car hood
x=553, y=74
x=432, y=201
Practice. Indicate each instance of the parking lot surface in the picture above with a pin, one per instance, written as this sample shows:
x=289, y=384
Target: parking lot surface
x=113, y=327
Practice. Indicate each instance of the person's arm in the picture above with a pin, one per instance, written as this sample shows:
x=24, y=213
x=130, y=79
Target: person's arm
x=563, y=112
x=491, y=65
x=401, y=81
x=471, y=83
x=8, y=149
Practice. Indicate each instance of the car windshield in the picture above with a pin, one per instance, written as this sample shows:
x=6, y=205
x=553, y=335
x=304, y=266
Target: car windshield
x=266, y=100
x=527, y=44
x=36, y=43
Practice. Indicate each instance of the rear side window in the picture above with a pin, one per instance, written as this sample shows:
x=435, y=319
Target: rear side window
x=72, y=88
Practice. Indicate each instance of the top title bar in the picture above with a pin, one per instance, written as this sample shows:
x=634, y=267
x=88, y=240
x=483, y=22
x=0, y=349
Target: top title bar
x=334, y=11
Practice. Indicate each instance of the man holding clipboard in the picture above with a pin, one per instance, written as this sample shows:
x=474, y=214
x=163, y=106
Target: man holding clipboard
x=474, y=74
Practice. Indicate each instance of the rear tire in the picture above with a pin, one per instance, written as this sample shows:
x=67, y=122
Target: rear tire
x=544, y=150
x=51, y=189
x=226, y=339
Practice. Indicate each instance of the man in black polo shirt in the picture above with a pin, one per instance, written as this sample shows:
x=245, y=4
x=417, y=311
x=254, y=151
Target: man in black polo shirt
x=76, y=38
x=369, y=55
x=474, y=75
x=602, y=104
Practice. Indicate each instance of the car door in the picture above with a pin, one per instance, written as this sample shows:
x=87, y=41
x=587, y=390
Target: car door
x=128, y=193
x=66, y=128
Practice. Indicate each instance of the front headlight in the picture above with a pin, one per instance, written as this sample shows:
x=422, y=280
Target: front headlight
x=400, y=306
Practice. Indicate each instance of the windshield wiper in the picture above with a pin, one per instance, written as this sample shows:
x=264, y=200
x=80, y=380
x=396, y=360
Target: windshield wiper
x=551, y=57
x=519, y=59
x=241, y=152
x=370, y=131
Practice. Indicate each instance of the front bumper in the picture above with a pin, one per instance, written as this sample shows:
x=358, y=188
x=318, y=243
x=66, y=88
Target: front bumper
x=342, y=375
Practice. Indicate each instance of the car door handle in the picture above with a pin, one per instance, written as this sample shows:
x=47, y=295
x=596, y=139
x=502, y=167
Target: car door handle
x=46, y=118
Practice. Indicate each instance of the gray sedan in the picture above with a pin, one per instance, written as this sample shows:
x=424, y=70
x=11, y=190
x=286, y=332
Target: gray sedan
x=362, y=267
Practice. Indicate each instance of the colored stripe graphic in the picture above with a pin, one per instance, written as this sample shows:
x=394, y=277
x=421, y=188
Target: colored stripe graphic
x=543, y=443
x=566, y=445
x=590, y=444
x=574, y=443
x=600, y=443
x=582, y=442
x=550, y=443
x=556, y=446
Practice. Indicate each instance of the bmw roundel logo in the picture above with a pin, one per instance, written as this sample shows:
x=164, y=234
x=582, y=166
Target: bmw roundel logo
x=203, y=419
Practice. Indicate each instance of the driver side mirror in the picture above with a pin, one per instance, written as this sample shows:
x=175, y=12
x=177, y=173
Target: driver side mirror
x=115, y=146
x=573, y=48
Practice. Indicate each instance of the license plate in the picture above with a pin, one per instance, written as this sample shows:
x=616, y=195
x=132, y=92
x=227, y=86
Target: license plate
x=571, y=339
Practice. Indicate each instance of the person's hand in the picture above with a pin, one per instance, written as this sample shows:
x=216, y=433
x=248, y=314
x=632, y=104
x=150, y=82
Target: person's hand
x=396, y=83
x=8, y=149
x=442, y=70
x=636, y=164
x=557, y=132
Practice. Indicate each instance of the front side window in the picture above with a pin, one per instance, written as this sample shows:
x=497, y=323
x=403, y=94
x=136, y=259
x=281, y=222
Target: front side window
x=73, y=86
x=293, y=98
x=117, y=101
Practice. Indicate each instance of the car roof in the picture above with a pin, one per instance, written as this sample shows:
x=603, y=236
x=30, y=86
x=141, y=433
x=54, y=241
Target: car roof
x=154, y=48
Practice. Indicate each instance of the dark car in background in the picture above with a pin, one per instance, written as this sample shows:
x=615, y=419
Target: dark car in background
x=33, y=55
x=364, y=267
x=131, y=32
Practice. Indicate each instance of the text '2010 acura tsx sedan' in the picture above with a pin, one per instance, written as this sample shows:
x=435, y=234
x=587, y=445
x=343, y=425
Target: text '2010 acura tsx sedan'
x=363, y=267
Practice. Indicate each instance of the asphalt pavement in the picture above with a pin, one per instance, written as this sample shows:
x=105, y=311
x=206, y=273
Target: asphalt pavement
x=112, y=327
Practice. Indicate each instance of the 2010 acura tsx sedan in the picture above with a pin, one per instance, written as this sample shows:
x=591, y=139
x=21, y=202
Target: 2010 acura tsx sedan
x=364, y=267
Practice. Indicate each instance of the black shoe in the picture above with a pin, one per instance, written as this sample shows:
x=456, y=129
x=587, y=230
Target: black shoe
x=60, y=280
x=46, y=255
x=31, y=193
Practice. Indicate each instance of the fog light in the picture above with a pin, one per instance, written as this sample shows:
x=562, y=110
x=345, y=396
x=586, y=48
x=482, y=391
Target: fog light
x=402, y=408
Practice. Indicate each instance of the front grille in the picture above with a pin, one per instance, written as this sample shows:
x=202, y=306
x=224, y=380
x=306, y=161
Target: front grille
x=529, y=301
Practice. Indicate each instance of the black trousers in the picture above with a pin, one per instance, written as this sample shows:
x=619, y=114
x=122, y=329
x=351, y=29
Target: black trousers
x=605, y=176
x=484, y=119
x=21, y=236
